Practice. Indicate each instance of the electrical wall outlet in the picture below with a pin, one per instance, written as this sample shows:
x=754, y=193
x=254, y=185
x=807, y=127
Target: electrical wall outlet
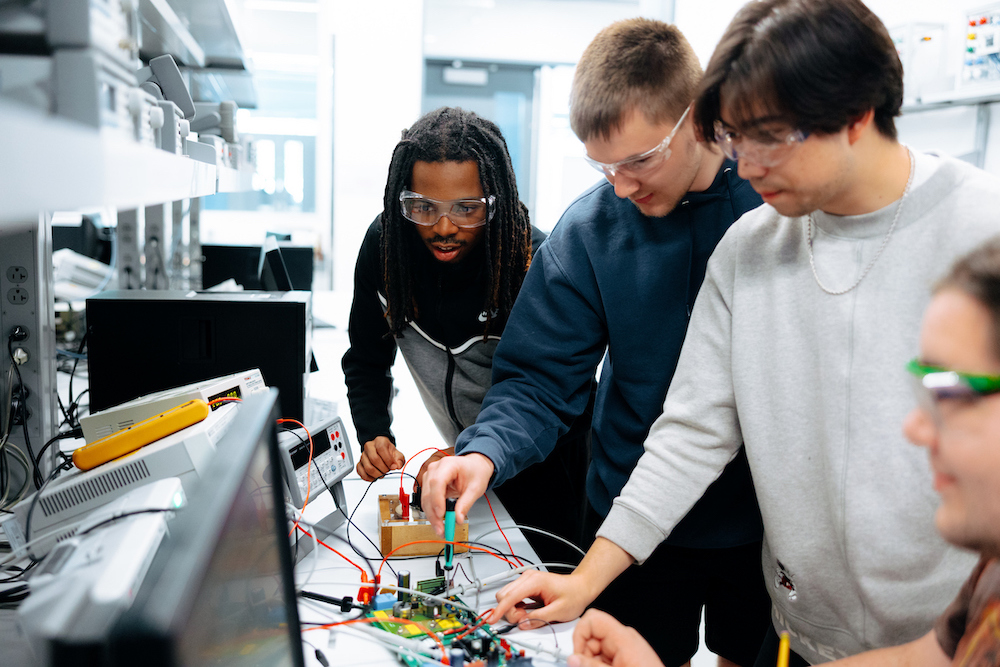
x=26, y=283
x=17, y=296
x=130, y=224
x=17, y=274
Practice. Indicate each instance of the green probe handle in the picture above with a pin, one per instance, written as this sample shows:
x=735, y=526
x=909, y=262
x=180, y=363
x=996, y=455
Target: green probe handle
x=449, y=532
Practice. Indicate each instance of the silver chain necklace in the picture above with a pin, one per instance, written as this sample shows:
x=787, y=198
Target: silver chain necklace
x=899, y=209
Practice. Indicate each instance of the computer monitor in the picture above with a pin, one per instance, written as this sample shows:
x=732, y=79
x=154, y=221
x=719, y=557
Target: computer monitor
x=220, y=262
x=271, y=269
x=274, y=276
x=221, y=590
x=86, y=234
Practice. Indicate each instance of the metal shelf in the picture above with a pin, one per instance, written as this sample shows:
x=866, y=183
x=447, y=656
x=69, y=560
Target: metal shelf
x=203, y=39
x=163, y=31
x=211, y=84
x=66, y=166
x=969, y=96
x=211, y=25
x=235, y=180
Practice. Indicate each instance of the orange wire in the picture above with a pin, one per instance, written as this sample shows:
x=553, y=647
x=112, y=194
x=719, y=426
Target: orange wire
x=401, y=470
x=329, y=547
x=519, y=563
x=389, y=619
x=468, y=546
x=308, y=472
x=223, y=399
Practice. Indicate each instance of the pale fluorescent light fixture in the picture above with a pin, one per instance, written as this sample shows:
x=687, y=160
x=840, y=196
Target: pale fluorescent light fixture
x=466, y=76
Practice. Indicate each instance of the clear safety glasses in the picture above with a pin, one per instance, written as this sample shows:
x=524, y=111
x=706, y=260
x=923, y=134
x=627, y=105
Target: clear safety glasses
x=466, y=213
x=642, y=163
x=936, y=387
x=764, y=150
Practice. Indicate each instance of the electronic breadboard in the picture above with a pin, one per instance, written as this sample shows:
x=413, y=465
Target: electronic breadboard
x=397, y=528
x=452, y=625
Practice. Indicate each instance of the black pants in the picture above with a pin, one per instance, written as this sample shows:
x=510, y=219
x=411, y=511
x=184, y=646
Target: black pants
x=663, y=600
x=552, y=495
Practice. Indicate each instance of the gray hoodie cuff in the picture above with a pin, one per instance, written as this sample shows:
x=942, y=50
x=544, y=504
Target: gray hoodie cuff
x=631, y=531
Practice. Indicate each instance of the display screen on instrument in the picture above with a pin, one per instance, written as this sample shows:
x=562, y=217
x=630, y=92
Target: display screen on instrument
x=300, y=453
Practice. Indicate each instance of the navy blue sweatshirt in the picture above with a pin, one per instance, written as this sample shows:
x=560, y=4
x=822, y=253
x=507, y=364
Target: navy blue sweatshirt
x=610, y=283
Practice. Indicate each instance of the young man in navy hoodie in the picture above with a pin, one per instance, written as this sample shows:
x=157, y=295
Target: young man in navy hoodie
x=615, y=282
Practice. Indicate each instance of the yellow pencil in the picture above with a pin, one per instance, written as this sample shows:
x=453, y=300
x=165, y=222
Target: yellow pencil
x=783, y=649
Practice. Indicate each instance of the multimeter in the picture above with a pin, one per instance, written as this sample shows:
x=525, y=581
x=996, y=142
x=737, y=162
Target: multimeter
x=331, y=459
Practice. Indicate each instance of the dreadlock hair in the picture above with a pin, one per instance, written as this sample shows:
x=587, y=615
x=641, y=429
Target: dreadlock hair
x=452, y=134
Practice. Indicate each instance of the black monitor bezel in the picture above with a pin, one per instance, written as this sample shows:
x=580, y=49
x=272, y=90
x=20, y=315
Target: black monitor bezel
x=146, y=633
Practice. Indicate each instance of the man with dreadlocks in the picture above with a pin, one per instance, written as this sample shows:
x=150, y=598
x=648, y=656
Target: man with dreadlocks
x=436, y=277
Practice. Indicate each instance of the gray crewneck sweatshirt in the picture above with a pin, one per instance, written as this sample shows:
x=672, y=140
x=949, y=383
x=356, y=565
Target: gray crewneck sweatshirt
x=815, y=386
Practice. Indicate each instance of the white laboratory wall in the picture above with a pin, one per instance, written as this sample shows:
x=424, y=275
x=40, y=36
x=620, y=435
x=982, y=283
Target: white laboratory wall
x=561, y=172
x=992, y=162
x=942, y=131
x=525, y=31
x=377, y=83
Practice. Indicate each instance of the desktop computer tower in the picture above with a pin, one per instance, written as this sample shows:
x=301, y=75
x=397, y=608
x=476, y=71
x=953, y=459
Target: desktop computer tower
x=140, y=342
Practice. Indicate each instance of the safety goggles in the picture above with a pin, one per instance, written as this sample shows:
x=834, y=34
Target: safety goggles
x=935, y=386
x=764, y=150
x=467, y=213
x=642, y=163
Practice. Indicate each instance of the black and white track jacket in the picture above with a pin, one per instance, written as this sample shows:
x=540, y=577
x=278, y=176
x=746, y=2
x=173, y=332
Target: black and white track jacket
x=444, y=348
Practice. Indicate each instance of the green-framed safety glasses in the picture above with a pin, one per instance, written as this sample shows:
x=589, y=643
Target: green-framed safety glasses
x=933, y=384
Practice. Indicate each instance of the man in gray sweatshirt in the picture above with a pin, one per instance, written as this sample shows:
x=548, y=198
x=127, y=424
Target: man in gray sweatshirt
x=809, y=310
x=956, y=380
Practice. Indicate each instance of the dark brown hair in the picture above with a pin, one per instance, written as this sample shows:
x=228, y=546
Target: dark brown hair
x=633, y=65
x=818, y=65
x=452, y=134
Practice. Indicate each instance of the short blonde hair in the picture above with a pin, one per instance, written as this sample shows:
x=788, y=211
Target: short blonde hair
x=633, y=65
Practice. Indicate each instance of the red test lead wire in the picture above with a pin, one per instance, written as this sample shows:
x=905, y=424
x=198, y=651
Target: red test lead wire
x=519, y=563
x=403, y=469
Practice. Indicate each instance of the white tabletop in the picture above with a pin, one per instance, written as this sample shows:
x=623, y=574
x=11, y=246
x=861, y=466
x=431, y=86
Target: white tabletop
x=332, y=575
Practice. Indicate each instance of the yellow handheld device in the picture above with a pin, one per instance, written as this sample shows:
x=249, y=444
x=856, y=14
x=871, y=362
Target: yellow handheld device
x=139, y=435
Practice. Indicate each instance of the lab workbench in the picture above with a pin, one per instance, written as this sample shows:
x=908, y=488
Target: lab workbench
x=329, y=574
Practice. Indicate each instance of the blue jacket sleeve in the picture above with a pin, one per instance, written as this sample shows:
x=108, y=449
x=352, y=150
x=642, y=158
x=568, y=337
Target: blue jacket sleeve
x=543, y=367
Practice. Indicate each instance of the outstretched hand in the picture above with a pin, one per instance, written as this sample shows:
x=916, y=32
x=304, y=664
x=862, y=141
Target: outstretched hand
x=463, y=477
x=600, y=640
x=563, y=596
